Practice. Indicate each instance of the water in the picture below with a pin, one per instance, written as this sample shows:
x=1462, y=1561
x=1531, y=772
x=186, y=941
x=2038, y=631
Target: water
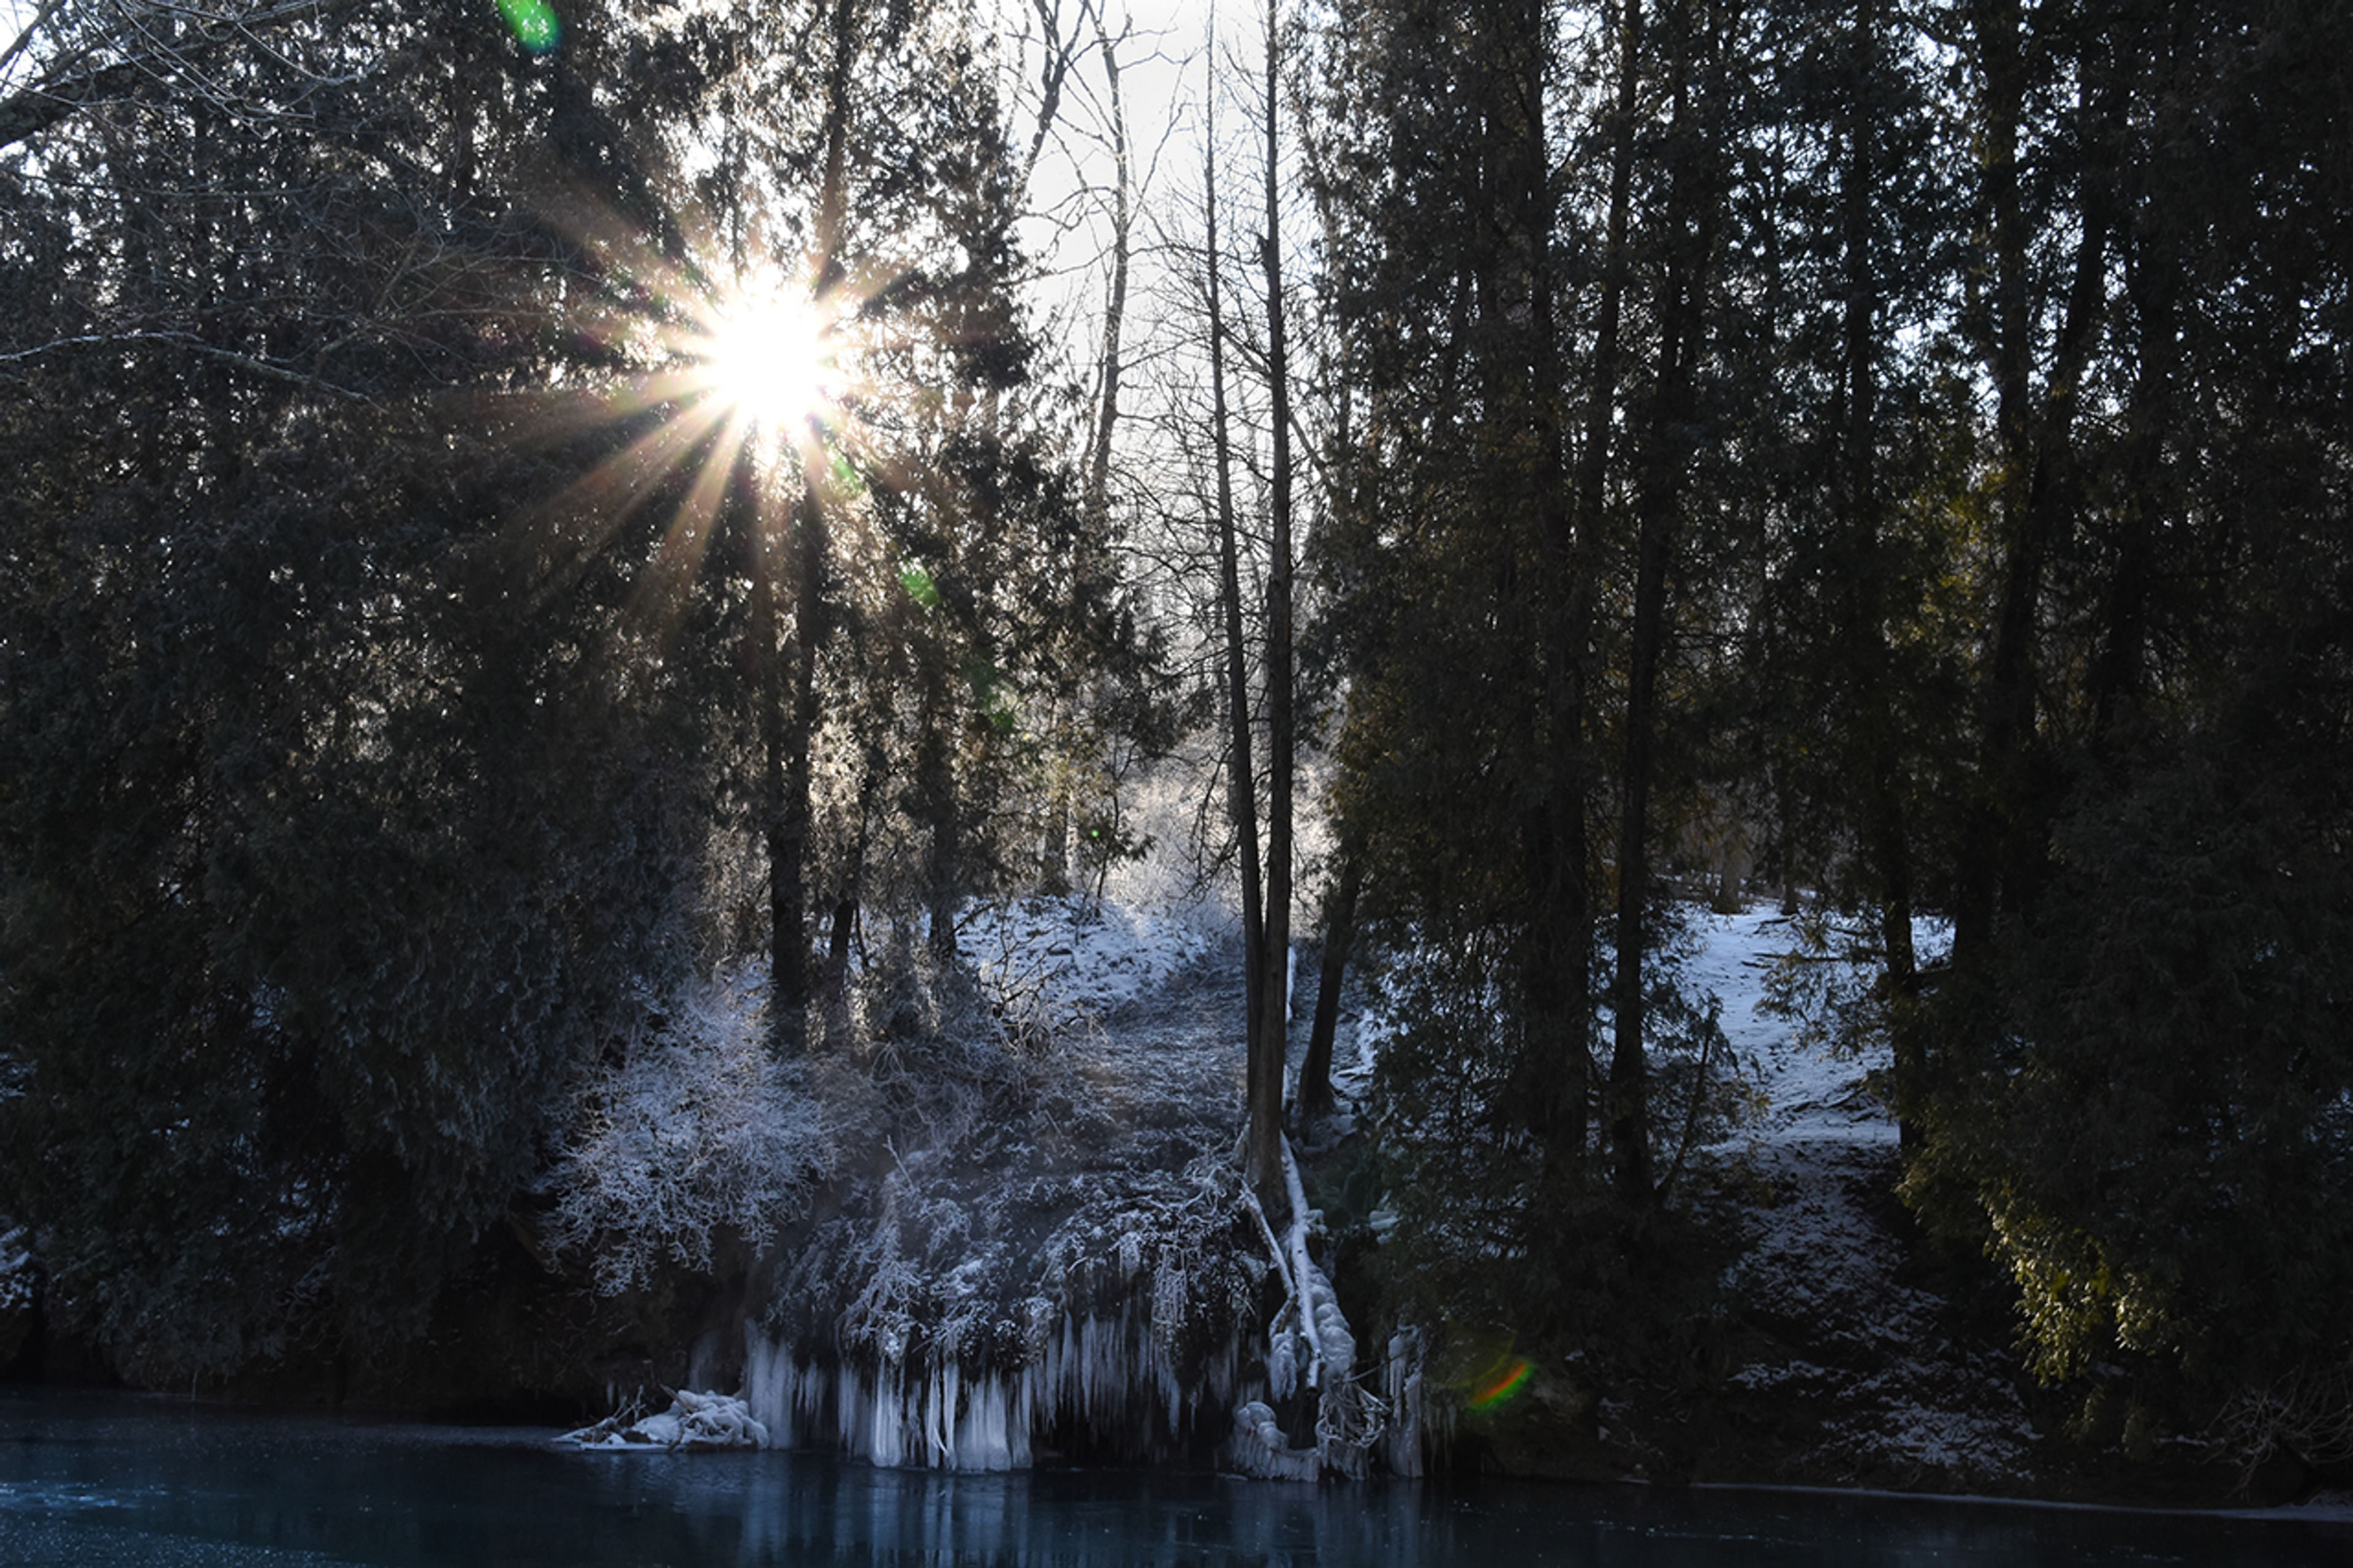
x=108, y=1479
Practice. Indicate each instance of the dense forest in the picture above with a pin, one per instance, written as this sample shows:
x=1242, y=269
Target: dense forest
x=556, y=554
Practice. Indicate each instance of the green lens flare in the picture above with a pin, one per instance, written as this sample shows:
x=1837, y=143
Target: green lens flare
x=533, y=24
x=919, y=586
x=1500, y=1385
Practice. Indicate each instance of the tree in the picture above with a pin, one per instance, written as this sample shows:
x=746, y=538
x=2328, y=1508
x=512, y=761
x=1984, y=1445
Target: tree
x=304, y=937
x=374, y=722
x=2145, y=806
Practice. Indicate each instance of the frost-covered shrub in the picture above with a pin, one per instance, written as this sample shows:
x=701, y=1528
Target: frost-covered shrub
x=694, y=1127
x=19, y=1282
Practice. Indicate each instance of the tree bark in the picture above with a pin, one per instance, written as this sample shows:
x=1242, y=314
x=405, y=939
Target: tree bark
x=2004, y=838
x=1886, y=833
x=1690, y=219
x=794, y=812
x=1242, y=783
x=1314, y=1099
x=1559, y=982
x=1267, y=1045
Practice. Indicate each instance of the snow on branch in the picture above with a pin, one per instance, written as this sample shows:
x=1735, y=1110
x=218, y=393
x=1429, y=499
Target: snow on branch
x=697, y=1127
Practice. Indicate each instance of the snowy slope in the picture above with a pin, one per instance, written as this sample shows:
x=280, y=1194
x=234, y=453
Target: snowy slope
x=1866, y=1362
x=1064, y=961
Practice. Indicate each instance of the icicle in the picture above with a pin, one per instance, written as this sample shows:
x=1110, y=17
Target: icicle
x=782, y=1395
x=1401, y=1387
x=1282, y=1363
x=883, y=1445
x=1110, y=1379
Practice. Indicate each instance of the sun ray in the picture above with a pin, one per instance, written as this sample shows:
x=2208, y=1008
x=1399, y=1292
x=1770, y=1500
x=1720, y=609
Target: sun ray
x=585, y=515
x=679, y=557
x=788, y=373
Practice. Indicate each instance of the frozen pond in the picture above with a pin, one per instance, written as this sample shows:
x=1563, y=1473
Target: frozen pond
x=118, y=1480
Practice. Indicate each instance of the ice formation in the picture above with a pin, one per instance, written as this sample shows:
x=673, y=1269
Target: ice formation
x=1128, y=1363
x=694, y=1423
x=1260, y=1448
x=1401, y=1389
x=1108, y=1381
x=998, y=1245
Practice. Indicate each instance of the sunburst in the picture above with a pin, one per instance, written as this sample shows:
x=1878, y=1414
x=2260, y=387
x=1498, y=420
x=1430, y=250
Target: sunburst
x=756, y=366
x=772, y=354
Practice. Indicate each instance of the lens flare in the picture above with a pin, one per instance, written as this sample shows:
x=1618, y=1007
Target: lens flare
x=533, y=24
x=1500, y=1383
x=919, y=586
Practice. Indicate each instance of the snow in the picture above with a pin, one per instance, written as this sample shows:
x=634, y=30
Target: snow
x=1025, y=1243
x=694, y=1128
x=694, y=1423
x=1028, y=1246
x=954, y=1319
x=1074, y=960
x=1820, y=1269
x=16, y=1270
x=1140, y=1036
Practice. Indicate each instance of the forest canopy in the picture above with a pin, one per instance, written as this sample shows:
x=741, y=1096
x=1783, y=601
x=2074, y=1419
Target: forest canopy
x=518, y=509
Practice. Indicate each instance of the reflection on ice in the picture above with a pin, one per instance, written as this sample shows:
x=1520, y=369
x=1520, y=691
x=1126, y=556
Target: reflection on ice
x=106, y=1479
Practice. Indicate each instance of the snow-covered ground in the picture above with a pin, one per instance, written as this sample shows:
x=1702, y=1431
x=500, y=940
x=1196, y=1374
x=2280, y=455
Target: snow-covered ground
x=1065, y=961
x=1860, y=1366
x=1052, y=1221
x=1867, y=1356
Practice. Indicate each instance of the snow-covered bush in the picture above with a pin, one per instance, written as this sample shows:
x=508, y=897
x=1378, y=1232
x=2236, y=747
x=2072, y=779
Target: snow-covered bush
x=693, y=1127
x=17, y=1283
x=16, y=1268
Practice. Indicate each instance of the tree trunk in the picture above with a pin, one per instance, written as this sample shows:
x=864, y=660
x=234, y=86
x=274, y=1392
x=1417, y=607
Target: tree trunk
x=1559, y=983
x=1274, y=1001
x=935, y=790
x=1886, y=837
x=2004, y=838
x=794, y=813
x=1690, y=219
x=768, y=692
x=1241, y=792
x=1315, y=1097
x=2152, y=286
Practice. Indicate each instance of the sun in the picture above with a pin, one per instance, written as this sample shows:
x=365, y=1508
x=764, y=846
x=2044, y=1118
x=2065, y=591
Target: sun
x=747, y=383
x=770, y=356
